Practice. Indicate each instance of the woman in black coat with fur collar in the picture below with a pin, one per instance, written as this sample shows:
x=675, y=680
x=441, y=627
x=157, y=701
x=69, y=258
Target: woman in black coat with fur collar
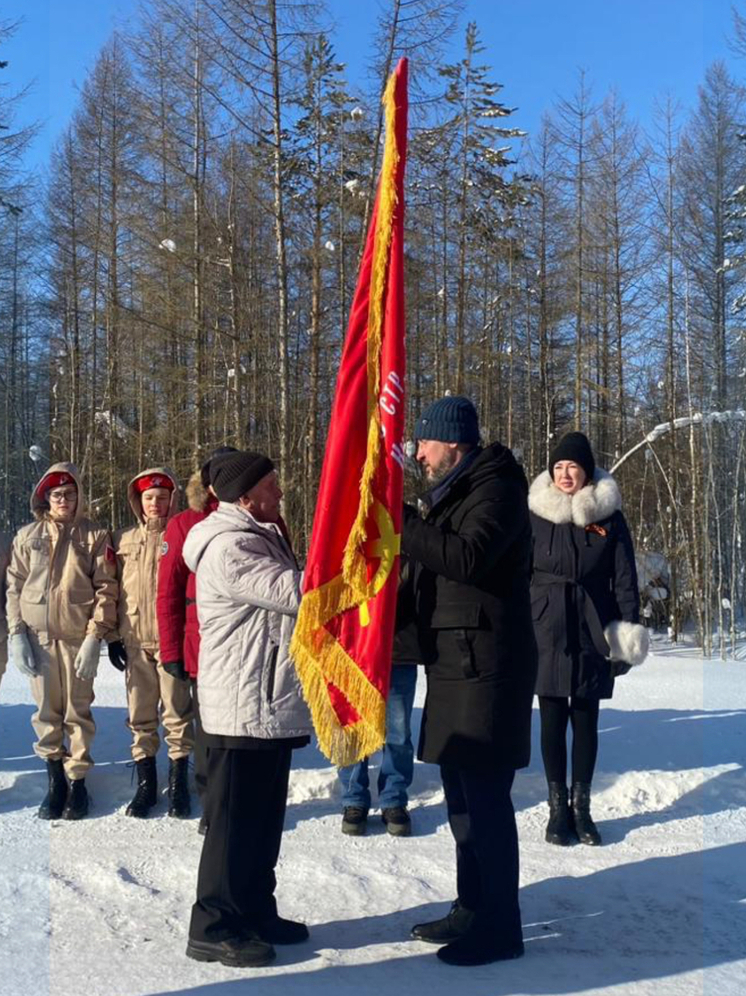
x=585, y=610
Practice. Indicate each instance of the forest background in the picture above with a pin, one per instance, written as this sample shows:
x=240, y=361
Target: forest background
x=178, y=275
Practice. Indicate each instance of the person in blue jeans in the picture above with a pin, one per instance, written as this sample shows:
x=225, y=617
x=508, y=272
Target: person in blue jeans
x=397, y=764
x=397, y=761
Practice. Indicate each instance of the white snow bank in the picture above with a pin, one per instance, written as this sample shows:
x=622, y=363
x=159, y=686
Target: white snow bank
x=102, y=907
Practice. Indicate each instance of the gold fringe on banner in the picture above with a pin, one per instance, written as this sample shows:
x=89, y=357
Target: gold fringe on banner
x=343, y=745
x=381, y=245
x=320, y=658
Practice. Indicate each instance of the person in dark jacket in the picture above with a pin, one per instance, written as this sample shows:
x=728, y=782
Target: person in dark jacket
x=585, y=609
x=471, y=555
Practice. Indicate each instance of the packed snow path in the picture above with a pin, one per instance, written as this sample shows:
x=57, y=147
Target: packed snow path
x=101, y=908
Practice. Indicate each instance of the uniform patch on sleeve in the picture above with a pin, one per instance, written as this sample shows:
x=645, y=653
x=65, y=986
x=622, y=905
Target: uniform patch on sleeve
x=164, y=548
x=110, y=555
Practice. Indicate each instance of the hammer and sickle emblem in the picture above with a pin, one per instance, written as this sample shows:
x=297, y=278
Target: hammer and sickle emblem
x=385, y=548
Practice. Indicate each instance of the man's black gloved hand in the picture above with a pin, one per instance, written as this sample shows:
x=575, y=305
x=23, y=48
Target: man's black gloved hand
x=176, y=670
x=118, y=655
x=619, y=668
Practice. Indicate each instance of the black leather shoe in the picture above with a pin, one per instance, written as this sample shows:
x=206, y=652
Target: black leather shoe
x=479, y=947
x=354, y=821
x=449, y=928
x=53, y=804
x=76, y=807
x=235, y=952
x=202, y=827
x=276, y=930
x=398, y=821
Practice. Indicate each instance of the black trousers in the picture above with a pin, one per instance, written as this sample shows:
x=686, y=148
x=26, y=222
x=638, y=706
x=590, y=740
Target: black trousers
x=245, y=808
x=200, y=750
x=582, y=714
x=482, y=820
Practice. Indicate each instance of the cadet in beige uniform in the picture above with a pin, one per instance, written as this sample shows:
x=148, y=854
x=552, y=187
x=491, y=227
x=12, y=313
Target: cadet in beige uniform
x=4, y=560
x=62, y=601
x=153, y=498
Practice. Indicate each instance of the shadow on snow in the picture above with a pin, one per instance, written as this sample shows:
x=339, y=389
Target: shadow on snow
x=645, y=920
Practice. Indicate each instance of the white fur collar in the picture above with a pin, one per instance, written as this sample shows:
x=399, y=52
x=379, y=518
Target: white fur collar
x=593, y=503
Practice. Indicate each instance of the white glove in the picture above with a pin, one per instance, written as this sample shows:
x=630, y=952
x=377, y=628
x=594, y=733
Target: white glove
x=86, y=663
x=23, y=655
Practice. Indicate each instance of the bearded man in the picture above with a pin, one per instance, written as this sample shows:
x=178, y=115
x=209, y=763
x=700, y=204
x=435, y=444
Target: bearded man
x=471, y=557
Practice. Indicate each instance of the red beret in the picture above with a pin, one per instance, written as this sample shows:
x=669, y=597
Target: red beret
x=54, y=481
x=153, y=481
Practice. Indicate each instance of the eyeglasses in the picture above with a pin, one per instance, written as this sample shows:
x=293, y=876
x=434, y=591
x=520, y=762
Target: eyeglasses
x=59, y=496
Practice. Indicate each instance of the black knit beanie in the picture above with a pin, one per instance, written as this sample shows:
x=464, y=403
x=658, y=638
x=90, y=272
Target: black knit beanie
x=452, y=419
x=233, y=474
x=574, y=446
x=205, y=469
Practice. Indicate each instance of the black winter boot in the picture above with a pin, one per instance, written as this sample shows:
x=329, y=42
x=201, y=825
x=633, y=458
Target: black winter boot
x=449, y=928
x=77, y=801
x=560, y=828
x=146, y=795
x=53, y=804
x=585, y=828
x=179, y=803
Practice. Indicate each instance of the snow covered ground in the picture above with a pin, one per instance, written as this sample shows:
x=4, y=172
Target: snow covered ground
x=100, y=908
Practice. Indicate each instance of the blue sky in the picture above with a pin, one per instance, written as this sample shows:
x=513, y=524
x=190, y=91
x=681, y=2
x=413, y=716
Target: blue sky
x=645, y=48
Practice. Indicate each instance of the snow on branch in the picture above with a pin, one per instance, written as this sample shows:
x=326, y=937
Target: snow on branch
x=113, y=423
x=698, y=419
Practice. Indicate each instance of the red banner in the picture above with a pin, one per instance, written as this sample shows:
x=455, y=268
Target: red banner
x=344, y=633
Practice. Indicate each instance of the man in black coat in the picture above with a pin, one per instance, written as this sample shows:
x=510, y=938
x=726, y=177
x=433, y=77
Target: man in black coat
x=471, y=556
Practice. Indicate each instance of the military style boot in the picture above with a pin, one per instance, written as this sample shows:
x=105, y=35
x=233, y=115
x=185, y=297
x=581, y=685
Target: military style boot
x=586, y=829
x=146, y=795
x=53, y=804
x=560, y=828
x=179, y=803
x=77, y=801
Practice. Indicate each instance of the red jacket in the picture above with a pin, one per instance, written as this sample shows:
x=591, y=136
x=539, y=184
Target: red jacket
x=176, y=609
